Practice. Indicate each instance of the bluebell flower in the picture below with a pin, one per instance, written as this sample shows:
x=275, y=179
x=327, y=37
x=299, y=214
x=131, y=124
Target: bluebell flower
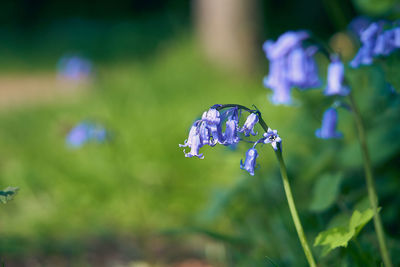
x=204, y=134
x=194, y=148
x=368, y=38
x=384, y=43
x=250, y=161
x=396, y=37
x=278, y=82
x=85, y=132
x=193, y=131
x=285, y=43
x=74, y=68
x=77, y=136
x=290, y=65
x=329, y=123
x=272, y=137
x=302, y=70
x=335, y=79
x=248, y=127
x=213, y=120
x=194, y=142
x=231, y=137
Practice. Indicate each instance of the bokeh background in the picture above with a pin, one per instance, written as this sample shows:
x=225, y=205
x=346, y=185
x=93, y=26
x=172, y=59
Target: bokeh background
x=144, y=70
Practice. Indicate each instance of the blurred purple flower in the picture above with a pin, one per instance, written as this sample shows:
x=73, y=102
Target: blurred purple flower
x=250, y=161
x=285, y=43
x=74, y=68
x=85, y=132
x=302, y=69
x=335, y=79
x=384, y=43
x=290, y=65
x=328, y=128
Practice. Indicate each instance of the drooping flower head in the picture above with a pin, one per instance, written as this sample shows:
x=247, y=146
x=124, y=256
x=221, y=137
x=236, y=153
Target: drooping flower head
x=335, y=79
x=290, y=65
x=328, y=127
x=200, y=133
x=250, y=161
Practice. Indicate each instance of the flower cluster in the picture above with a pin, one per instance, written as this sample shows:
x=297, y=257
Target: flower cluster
x=85, y=132
x=209, y=131
x=291, y=65
x=376, y=41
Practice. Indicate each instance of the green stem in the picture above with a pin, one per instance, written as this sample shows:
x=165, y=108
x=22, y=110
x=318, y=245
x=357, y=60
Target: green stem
x=373, y=198
x=293, y=211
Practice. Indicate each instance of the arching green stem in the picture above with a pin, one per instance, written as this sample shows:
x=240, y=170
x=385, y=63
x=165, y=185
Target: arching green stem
x=373, y=198
x=293, y=210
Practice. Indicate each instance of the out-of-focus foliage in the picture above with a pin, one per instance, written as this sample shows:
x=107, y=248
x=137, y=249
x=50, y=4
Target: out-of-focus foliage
x=8, y=194
x=341, y=235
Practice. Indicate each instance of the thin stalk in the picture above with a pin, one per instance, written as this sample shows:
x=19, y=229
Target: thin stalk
x=372, y=195
x=293, y=210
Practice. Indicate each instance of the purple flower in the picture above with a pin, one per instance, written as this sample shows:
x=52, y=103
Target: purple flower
x=204, y=134
x=368, y=38
x=328, y=128
x=194, y=148
x=335, y=78
x=384, y=43
x=302, y=70
x=74, y=68
x=272, y=137
x=85, y=132
x=282, y=95
x=193, y=131
x=231, y=136
x=396, y=37
x=250, y=161
x=194, y=142
x=213, y=120
x=248, y=127
x=290, y=65
x=285, y=43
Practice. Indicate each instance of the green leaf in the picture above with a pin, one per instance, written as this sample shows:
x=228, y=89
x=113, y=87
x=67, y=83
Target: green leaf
x=8, y=194
x=325, y=192
x=341, y=235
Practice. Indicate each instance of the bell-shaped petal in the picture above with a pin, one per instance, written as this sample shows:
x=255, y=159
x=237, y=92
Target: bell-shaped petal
x=335, y=79
x=250, y=161
x=213, y=119
x=302, y=70
x=329, y=123
x=193, y=132
x=231, y=136
x=205, y=137
x=194, y=148
x=282, y=94
x=248, y=127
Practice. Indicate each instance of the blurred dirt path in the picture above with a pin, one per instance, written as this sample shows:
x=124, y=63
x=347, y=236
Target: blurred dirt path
x=18, y=90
